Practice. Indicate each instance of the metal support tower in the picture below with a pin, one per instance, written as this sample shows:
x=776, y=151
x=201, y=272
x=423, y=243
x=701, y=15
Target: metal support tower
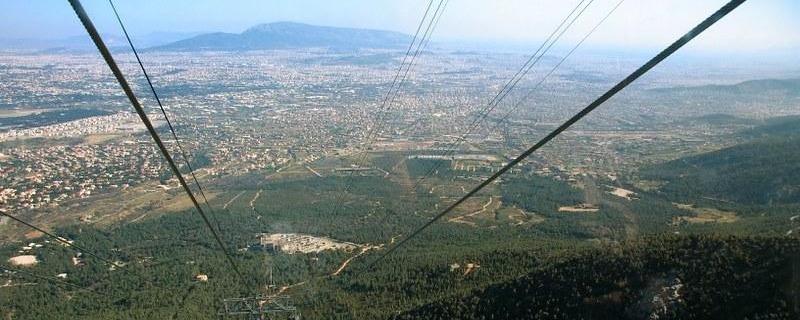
x=259, y=308
x=271, y=305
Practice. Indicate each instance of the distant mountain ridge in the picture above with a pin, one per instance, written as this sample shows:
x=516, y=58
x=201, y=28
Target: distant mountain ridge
x=771, y=95
x=79, y=43
x=789, y=87
x=289, y=35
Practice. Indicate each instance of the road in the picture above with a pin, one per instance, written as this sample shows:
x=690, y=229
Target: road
x=460, y=218
x=346, y=262
x=313, y=171
x=252, y=202
x=231, y=200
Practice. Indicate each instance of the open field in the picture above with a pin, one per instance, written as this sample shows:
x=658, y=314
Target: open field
x=518, y=216
x=580, y=208
x=100, y=138
x=705, y=215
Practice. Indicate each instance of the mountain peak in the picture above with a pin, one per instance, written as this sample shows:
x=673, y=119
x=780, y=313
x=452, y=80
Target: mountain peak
x=289, y=35
x=276, y=26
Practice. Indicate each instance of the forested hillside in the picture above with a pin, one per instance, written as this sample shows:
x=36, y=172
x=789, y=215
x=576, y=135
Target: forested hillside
x=663, y=277
x=751, y=88
x=765, y=170
x=788, y=126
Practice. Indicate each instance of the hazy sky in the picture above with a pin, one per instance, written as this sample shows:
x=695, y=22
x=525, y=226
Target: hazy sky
x=757, y=24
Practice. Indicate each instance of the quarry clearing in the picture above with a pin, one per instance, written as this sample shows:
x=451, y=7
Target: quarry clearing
x=622, y=193
x=23, y=261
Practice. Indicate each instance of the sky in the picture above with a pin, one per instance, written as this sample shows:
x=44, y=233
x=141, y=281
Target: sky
x=757, y=25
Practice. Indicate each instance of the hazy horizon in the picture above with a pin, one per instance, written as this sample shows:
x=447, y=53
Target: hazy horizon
x=758, y=26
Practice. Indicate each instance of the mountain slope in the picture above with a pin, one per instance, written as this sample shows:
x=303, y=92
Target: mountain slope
x=749, y=98
x=285, y=35
x=789, y=87
x=776, y=127
x=660, y=278
x=765, y=170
